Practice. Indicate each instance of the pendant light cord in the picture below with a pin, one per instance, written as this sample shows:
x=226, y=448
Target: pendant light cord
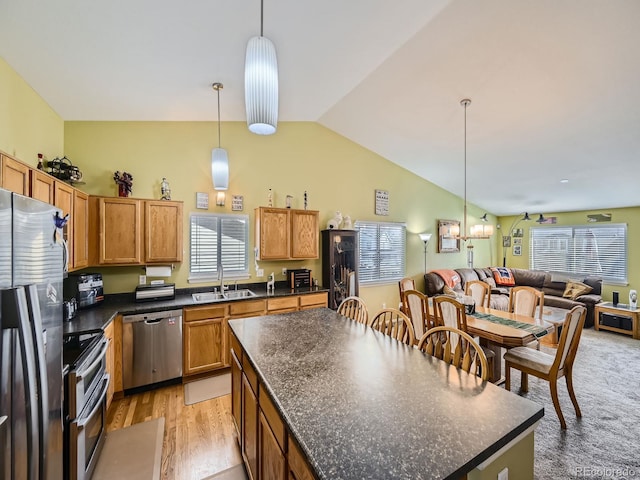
x=261, y=16
x=218, y=90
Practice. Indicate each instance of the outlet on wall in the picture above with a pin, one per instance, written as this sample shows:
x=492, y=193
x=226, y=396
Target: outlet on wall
x=142, y=280
x=284, y=271
x=260, y=272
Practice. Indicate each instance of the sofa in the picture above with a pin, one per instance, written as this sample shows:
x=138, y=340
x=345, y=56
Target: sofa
x=552, y=284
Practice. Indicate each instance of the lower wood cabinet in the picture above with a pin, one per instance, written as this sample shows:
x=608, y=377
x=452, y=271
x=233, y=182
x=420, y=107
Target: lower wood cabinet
x=272, y=459
x=109, y=335
x=204, y=333
x=249, y=428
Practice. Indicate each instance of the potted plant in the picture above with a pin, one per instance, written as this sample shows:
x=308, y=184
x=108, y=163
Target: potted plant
x=124, y=181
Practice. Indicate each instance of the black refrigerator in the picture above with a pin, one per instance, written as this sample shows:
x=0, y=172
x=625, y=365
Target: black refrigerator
x=32, y=255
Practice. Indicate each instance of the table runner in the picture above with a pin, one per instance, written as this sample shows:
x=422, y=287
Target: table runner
x=537, y=330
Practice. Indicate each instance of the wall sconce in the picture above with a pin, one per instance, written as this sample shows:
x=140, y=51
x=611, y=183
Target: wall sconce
x=220, y=198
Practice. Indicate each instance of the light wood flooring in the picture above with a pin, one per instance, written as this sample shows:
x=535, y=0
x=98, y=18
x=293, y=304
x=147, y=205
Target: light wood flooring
x=199, y=440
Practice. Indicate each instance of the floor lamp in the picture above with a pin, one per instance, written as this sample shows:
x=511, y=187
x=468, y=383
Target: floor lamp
x=425, y=237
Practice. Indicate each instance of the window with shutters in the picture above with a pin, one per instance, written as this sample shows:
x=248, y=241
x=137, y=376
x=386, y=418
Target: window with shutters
x=382, y=248
x=218, y=240
x=585, y=250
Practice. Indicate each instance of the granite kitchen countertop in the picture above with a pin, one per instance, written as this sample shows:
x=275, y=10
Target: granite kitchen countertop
x=97, y=318
x=362, y=405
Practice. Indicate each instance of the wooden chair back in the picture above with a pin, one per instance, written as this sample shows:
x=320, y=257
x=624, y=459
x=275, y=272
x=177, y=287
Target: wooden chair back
x=449, y=312
x=355, y=309
x=394, y=323
x=415, y=305
x=524, y=301
x=456, y=348
x=479, y=291
x=569, y=338
x=406, y=284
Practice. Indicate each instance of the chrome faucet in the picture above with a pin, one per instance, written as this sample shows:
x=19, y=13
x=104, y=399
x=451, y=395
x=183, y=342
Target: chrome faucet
x=221, y=278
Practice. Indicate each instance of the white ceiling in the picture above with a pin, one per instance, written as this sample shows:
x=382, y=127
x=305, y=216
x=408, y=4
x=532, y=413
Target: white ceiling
x=553, y=83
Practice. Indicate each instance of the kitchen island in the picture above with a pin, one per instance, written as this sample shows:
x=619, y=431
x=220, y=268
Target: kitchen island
x=350, y=402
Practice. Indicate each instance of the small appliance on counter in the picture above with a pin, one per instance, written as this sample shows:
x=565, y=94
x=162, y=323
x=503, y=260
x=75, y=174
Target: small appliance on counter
x=69, y=309
x=153, y=292
x=86, y=288
x=299, y=278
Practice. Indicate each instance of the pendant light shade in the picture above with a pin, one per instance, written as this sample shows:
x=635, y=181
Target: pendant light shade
x=219, y=157
x=261, y=84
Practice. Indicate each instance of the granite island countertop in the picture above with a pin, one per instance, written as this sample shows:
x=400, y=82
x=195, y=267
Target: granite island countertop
x=362, y=405
x=96, y=319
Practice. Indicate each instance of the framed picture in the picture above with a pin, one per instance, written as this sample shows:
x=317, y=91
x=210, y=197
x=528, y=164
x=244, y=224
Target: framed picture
x=517, y=250
x=518, y=232
x=382, y=202
x=517, y=240
x=448, y=236
x=506, y=241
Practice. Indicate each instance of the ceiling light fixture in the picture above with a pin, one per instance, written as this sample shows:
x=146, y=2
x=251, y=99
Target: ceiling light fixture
x=219, y=157
x=476, y=231
x=261, y=83
x=541, y=219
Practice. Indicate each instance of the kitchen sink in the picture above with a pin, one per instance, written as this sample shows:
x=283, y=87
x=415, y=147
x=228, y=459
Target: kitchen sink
x=242, y=293
x=208, y=297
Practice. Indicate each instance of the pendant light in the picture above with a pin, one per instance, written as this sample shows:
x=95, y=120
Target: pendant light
x=261, y=83
x=219, y=157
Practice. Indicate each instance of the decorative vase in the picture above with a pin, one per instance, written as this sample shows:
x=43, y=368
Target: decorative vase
x=122, y=190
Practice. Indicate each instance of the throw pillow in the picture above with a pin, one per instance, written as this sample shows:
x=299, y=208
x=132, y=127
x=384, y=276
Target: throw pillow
x=447, y=290
x=575, y=289
x=503, y=276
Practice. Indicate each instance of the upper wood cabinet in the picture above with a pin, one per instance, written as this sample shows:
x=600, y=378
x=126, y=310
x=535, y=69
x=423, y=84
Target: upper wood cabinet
x=41, y=186
x=63, y=199
x=129, y=231
x=286, y=234
x=80, y=218
x=163, y=231
x=14, y=175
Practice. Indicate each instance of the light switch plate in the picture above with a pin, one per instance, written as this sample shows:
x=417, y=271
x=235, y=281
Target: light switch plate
x=260, y=272
x=142, y=280
x=504, y=474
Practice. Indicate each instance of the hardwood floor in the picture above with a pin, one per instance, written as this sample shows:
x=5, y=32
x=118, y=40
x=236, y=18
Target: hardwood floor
x=199, y=440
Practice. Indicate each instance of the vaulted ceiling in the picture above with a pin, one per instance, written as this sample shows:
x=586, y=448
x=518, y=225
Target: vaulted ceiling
x=553, y=83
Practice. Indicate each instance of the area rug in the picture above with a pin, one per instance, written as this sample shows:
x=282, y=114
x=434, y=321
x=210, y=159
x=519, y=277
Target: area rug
x=133, y=452
x=604, y=442
x=234, y=473
x=207, y=388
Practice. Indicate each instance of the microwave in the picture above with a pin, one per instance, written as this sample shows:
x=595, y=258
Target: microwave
x=86, y=288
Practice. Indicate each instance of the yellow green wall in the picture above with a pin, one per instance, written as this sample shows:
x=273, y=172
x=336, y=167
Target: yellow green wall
x=336, y=173
x=28, y=125
x=630, y=216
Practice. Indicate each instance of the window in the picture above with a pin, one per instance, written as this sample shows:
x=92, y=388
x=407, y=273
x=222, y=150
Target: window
x=586, y=250
x=382, y=251
x=218, y=239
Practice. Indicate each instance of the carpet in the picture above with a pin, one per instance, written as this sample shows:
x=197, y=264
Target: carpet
x=207, y=388
x=234, y=473
x=604, y=442
x=133, y=452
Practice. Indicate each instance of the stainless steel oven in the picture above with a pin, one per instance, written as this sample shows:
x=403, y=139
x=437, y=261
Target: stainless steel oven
x=86, y=387
x=87, y=372
x=87, y=433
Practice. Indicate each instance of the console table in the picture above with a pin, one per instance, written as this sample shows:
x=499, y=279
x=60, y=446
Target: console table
x=619, y=310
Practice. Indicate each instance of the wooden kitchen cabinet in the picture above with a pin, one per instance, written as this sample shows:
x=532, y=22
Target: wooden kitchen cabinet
x=282, y=304
x=314, y=300
x=80, y=220
x=272, y=460
x=63, y=199
x=286, y=234
x=14, y=175
x=163, y=231
x=236, y=389
x=204, y=332
x=41, y=186
x=110, y=358
x=130, y=231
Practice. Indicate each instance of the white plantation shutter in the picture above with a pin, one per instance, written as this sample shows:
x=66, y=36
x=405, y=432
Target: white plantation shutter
x=584, y=250
x=382, y=248
x=218, y=239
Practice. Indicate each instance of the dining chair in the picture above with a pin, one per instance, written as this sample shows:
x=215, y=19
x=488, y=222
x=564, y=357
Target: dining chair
x=394, y=323
x=451, y=313
x=406, y=284
x=355, y=309
x=550, y=367
x=456, y=348
x=524, y=300
x=415, y=305
x=479, y=291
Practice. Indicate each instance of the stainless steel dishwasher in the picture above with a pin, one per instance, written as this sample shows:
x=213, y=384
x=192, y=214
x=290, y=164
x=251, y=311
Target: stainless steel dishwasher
x=151, y=348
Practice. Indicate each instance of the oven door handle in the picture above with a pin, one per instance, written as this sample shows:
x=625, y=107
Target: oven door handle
x=81, y=423
x=103, y=352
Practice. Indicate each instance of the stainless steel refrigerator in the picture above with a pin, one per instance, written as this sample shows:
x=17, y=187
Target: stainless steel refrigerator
x=31, y=271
